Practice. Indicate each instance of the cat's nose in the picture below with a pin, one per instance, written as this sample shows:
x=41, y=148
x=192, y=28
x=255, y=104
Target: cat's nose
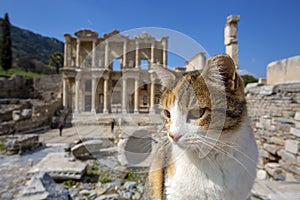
x=174, y=138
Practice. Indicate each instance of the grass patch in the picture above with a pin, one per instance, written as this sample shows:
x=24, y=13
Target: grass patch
x=137, y=175
x=105, y=178
x=18, y=71
x=86, y=194
x=257, y=196
x=93, y=172
x=2, y=147
x=69, y=183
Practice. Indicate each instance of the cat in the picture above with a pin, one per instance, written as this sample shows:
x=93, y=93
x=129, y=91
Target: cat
x=210, y=151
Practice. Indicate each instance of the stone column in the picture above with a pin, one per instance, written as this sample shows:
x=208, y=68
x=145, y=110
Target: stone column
x=137, y=55
x=124, y=53
x=77, y=88
x=94, y=87
x=78, y=53
x=106, y=54
x=152, y=98
x=65, y=93
x=136, y=96
x=164, y=61
x=105, y=94
x=94, y=54
x=152, y=53
x=66, y=54
x=230, y=38
x=124, y=96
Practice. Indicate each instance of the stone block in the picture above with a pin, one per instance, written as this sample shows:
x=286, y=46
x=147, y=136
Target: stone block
x=286, y=155
x=289, y=167
x=273, y=169
x=42, y=186
x=272, y=148
x=252, y=85
x=21, y=143
x=16, y=115
x=259, y=125
x=292, y=146
x=295, y=131
x=297, y=116
x=297, y=124
x=269, y=127
x=262, y=81
x=266, y=120
x=277, y=140
x=60, y=166
x=90, y=149
x=283, y=120
x=263, y=153
x=108, y=196
x=261, y=174
x=266, y=90
x=26, y=113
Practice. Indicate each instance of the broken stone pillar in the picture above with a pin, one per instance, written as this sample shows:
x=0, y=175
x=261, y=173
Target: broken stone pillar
x=42, y=186
x=230, y=38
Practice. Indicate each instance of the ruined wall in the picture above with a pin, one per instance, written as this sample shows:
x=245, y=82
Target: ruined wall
x=48, y=87
x=32, y=103
x=16, y=86
x=284, y=71
x=275, y=115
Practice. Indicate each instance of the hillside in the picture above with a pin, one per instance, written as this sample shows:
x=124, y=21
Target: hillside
x=35, y=46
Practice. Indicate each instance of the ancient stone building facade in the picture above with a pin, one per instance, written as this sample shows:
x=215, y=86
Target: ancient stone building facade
x=111, y=74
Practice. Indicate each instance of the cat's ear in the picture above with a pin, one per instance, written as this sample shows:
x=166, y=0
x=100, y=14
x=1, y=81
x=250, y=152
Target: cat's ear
x=166, y=77
x=222, y=67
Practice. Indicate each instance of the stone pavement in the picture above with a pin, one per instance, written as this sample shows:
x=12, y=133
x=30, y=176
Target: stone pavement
x=52, y=138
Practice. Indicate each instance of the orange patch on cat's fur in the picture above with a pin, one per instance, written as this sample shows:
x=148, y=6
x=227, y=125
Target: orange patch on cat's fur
x=169, y=99
x=157, y=183
x=171, y=170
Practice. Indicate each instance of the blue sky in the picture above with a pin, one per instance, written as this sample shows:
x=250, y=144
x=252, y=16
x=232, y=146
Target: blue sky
x=269, y=30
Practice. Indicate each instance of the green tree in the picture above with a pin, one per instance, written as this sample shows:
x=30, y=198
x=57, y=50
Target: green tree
x=249, y=79
x=26, y=63
x=5, y=51
x=56, y=60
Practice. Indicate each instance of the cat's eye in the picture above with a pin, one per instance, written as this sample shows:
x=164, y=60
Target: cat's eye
x=195, y=114
x=167, y=114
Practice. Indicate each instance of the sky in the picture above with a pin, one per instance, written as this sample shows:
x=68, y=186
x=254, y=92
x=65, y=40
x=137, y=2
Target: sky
x=269, y=30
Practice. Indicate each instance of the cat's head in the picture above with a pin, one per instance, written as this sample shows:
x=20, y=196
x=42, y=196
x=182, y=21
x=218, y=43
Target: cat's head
x=199, y=103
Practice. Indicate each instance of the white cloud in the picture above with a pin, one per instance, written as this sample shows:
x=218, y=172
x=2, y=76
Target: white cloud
x=244, y=71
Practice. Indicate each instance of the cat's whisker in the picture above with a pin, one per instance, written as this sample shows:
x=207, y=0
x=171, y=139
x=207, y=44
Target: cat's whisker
x=210, y=161
x=234, y=147
x=226, y=143
x=219, y=149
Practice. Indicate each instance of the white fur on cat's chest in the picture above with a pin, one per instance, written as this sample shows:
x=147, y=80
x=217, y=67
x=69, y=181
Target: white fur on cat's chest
x=225, y=179
x=182, y=186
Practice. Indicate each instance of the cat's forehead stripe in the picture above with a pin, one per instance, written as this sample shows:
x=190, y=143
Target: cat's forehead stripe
x=170, y=99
